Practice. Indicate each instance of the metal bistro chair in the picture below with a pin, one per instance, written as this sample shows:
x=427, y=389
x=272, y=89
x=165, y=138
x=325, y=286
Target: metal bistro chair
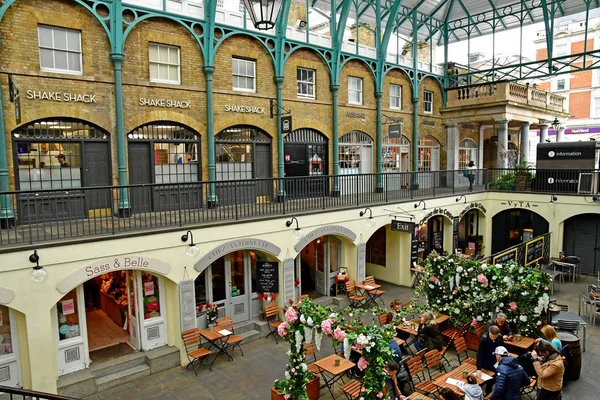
x=568, y=326
x=576, y=261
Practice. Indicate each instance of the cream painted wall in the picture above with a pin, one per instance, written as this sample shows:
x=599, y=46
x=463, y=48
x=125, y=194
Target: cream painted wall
x=35, y=301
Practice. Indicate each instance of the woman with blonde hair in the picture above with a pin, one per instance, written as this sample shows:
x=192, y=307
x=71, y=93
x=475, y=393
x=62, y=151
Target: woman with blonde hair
x=549, y=335
x=428, y=333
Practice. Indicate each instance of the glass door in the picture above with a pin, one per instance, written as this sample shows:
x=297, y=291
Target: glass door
x=10, y=372
x=133, y=321
x=151, y=310
x=237, y=291
x=71, y=331
x=218, y=287
x=320, y=270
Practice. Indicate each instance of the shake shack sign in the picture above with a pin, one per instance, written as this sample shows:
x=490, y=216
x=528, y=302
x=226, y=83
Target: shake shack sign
x=165, y=103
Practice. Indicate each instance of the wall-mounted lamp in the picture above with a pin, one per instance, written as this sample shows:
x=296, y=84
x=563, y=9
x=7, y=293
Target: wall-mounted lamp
x=192, y=250
x=419, y=203
x=37, y=274
x=370, y=221
x=556, y=124
x=462, y=196
x=553, y=199
x=298, y=234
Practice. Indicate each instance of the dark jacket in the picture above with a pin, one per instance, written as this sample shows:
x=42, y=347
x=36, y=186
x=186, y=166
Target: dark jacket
x=432, y=338
x=505, y=330
x=485, y=358
x=510, y=378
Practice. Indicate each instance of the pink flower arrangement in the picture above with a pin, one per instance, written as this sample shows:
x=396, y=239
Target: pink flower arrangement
x=482, y=279
x=362, y=364
x=339, y=334
x=380, y=395
x=281, y=329
x=512, y=306
x=286, y=396
x=474, y=322
x=433, y=278
x=326, y=326
x=290, y=315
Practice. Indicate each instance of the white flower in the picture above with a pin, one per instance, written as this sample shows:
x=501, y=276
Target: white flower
x=498, y=265
x=308, y=334
x=457, y=278
x=459, y=269
x=302, y=319
x=309, y=321
x=451, y=283
x=524, y=293
x=318, y=338
x=332, y=315
x=304, y=367
x=431, y=286
x=538, y=323
x=439, y=301
x=457, y=310
x=494, y=277
x=347, y=349
x=298, y=341
x=451, y=297
x=470, y=270
x=506, y=279
x=479, y=318
x=484, y=267
x=287, y=375
x=466, y=288
x=501, y=305
x=523, y=318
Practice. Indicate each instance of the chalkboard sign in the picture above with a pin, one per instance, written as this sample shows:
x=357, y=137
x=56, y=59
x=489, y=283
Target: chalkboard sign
x=414, y=246
x=456, y=224
x=534, y=250
x=267, y=277
x=510, y=255
x=438, y=241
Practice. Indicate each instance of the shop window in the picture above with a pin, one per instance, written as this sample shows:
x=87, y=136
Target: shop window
x=396, y=97
x=467, y=151
x=67, y=311
x=355, y=153
x=60, y=50
x=561, y=50
x=376, y=248
x=200, y=286
x=561, y=84
x=428, y=102
x=244, y=74
x=235, y=149
x=49, y=153
x=429, y=154
x=219, y=284
x=238, y=286
x=396, y=154
x=355, y=90
x=164, y=63
x=6, y=346
x=150, y=290
x=306, y=83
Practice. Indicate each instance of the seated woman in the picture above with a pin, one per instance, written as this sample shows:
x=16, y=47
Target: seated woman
x=428, y=333
x=395, y=305
x=549, y=335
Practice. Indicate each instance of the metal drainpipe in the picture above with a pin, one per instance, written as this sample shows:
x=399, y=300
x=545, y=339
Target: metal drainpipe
x=7, y=216
x=379, y=143
x=336, y=183
x=124, y=207
x=212, y=200
x=280, y=155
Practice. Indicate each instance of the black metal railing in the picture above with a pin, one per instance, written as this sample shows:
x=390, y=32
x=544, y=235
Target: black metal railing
x=526, y=253
x=554, y=181
x=9, y=393
x=46, y=215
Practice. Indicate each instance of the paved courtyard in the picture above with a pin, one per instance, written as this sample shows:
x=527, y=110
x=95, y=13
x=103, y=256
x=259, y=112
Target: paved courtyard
x=252, y=376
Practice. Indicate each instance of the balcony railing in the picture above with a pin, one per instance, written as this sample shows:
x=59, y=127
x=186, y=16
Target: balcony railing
x=47, y=215
x=10, y=393
x=505, y=91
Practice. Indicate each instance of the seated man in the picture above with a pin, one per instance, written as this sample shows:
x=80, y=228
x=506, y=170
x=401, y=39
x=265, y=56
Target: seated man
x=397, y=378
x=485, y=353
x=505, y=328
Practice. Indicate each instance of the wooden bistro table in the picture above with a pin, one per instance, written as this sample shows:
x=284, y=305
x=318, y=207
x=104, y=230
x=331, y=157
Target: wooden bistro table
x=440, y=319
x=365, y=288
x=457, y=373
x=523, y=345
x=214, y=337
x=332, y=373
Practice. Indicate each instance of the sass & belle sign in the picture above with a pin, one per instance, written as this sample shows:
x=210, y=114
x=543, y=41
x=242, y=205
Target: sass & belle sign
x=133, y=262
x=61, y=96
x=244, y=109
x=165, y=103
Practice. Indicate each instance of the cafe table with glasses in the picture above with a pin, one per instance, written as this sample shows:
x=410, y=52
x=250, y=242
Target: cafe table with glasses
x=332, y=370
x=459, y=374
x=365, y=289
x=214, y=336
x=412, y=325
x=519, y=344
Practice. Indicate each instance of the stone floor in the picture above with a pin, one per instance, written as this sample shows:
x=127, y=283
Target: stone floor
x=252, y=376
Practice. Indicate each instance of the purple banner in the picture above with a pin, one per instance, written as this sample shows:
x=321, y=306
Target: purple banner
x=572, y=131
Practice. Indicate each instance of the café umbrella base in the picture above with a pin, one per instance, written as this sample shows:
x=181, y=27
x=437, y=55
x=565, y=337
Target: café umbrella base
x=313, y=389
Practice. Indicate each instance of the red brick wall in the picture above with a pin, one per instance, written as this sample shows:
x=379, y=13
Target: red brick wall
x=579, y=104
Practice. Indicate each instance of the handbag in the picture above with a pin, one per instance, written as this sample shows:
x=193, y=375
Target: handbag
x=466, y=173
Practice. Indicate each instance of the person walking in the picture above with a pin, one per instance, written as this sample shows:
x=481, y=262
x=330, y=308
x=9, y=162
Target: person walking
x=428, y=334
x=510, y=376
x=485, y=353
x=471, y=168
x=550, y=372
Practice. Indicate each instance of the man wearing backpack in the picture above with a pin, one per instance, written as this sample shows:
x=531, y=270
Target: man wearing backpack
x=510, y=376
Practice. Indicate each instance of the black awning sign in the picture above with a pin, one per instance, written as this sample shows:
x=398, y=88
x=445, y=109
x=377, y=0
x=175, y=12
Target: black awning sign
x=286, y=124
x=402, y=226
x=395, y=131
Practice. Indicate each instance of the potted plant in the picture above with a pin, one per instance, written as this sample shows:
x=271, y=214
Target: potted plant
x=523, y=176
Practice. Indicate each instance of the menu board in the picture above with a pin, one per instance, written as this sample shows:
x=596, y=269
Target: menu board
x=187, y=304
x=510, y=255
x=362, y=262
x=288, y=279
x=456, y=223
x=438, y=241
x=534, y=250
x=267, y=277
x=414, y=246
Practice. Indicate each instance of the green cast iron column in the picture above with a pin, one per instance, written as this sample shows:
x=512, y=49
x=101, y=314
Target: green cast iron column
x=212, y=200
x=415, y=141
x=379, y=143
x=280, y=156
x=7, y=216
x=336, y=182
x=117, y=60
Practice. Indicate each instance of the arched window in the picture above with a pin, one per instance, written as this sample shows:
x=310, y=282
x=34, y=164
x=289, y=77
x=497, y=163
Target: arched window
x=171, y=148
x=355, y=153
x=467, y=151
x=242, y=152
x=429, y=154
x=396, y=154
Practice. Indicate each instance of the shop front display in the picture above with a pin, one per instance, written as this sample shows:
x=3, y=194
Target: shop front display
x=10, y=372
x=470, y=235
x=306, y=156
x=510, y=226
x=355, y=156
x=317, y=265
x=431, y=235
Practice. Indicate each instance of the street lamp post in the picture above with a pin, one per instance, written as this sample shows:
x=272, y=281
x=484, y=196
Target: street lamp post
x=263, y=13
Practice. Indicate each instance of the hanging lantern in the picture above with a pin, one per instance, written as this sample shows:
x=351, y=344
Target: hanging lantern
x=263, y=13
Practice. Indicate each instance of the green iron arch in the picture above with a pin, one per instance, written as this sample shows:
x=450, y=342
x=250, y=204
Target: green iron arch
x=264, y=41
x=321, y=53
x=371, y=65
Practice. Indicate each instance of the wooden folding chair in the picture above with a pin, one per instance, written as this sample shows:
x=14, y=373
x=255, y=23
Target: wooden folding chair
x=382, y=319
x=196, y=354
x=451, y=332
x=374, y=294
x=461, y=349
x=416, y=370
x=230, y=341
x=273, y=320
x=355, y=299
x=301, y=298
x=309, y=350
x=353, y=389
